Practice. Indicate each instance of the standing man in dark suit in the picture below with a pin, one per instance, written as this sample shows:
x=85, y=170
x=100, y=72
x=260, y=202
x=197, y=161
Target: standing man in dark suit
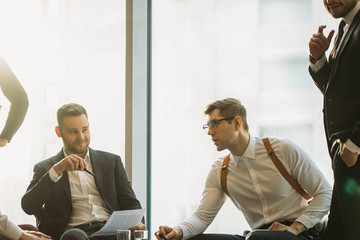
x=67, y=200
x=338, y=78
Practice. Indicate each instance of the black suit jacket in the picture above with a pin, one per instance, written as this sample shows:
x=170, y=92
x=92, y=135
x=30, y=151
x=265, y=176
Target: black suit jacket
x=51, y=203
x=339, y=82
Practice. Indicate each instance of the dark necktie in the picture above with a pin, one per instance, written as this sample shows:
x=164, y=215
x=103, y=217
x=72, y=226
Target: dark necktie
x=338, y=38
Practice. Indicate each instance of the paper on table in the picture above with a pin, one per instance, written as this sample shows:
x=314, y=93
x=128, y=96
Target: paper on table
x=121, y=220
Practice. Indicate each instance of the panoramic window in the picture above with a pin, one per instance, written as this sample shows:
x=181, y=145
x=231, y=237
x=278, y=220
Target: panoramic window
x=61, y=52
x=282, y=11
x=209, y=50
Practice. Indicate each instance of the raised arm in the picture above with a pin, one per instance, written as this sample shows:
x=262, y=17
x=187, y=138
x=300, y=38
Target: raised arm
x=17, y=96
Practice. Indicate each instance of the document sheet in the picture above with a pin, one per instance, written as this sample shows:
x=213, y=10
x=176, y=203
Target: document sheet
x=121, y=220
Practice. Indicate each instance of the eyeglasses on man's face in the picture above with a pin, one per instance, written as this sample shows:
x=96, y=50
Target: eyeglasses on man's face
x=214, y=123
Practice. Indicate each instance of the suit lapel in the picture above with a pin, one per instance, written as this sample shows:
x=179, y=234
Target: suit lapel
x=66, y=185
x=97, y=165
x=64, y=181
x=336, y=60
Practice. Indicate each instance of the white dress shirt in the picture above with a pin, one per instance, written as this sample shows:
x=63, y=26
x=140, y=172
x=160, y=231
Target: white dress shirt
x=315, y=67
x=259, y=190
x=9, y=229
x=87, y=204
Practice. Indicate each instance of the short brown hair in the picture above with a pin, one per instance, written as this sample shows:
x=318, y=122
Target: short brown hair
x=70, y=109
x=229, y=107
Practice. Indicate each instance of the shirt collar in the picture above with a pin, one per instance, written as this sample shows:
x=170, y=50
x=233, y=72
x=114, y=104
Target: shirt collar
x=249, y=152
x=350, y=16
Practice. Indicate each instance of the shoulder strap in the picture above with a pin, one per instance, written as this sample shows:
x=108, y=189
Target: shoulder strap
x=282, y=170
x=224, y=174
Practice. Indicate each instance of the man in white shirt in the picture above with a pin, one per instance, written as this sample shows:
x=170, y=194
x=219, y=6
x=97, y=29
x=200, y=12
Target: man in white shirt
x=74, y=193
x=255, y=185
x=338, y=79
x=11, y=231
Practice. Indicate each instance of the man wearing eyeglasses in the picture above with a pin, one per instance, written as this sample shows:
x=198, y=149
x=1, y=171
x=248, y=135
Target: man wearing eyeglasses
x=271, y=206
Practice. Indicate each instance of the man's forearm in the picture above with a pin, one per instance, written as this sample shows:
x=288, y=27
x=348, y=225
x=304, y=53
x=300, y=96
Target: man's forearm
x=18, y=109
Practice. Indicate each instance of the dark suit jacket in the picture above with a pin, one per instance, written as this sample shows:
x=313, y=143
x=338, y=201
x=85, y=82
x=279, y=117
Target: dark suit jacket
x=339, y=81
x=51, y=203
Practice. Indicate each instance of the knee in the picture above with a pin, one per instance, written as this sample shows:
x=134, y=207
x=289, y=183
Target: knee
x=256, y=235
x=74, y=234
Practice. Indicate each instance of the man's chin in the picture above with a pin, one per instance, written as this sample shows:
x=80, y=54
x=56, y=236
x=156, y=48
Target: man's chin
x=78, y=151
x=336, y=15
x=219, y=148
x=339, y=12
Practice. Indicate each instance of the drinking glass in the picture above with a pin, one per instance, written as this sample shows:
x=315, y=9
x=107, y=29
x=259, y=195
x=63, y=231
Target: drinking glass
x=123, y=235
x=141, y=234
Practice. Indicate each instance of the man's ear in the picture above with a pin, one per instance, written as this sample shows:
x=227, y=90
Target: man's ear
x=238, y=123
x=57, y=130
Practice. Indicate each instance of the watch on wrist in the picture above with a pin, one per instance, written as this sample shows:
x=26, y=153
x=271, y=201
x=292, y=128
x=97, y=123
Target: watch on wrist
x=314, y=60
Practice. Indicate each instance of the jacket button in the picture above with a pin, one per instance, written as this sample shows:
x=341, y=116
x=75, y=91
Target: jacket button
x=330, y=99
x=332, y=122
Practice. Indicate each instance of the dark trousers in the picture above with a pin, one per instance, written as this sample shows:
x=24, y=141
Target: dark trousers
x=263, y=234
x=254, y=235
x=344, y=217
x=83, y=232
x=217, y=237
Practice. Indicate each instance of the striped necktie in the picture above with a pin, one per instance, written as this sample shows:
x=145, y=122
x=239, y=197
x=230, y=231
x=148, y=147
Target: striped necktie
x=338, y=38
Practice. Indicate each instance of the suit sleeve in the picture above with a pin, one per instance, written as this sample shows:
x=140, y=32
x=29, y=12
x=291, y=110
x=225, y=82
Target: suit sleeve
x=17, y=96
x=321, y=77
x=38, y=191
x=355, y=134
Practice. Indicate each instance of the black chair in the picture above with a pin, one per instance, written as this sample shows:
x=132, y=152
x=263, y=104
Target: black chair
x=321, y=226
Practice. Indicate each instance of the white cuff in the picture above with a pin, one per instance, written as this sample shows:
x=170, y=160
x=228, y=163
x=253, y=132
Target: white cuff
x=352, y=146
x=185, y=232
x=8, y=228
x=53, y=175
x=306, y=221
x=13, y=232
x=318, y=65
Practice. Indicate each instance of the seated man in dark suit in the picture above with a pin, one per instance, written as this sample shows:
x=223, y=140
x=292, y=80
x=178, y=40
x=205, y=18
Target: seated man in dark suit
x=67, y=200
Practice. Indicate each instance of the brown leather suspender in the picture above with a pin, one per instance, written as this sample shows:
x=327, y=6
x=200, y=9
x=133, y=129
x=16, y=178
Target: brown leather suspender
x=224, y=174
x=278, y=165
x=283, y=172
